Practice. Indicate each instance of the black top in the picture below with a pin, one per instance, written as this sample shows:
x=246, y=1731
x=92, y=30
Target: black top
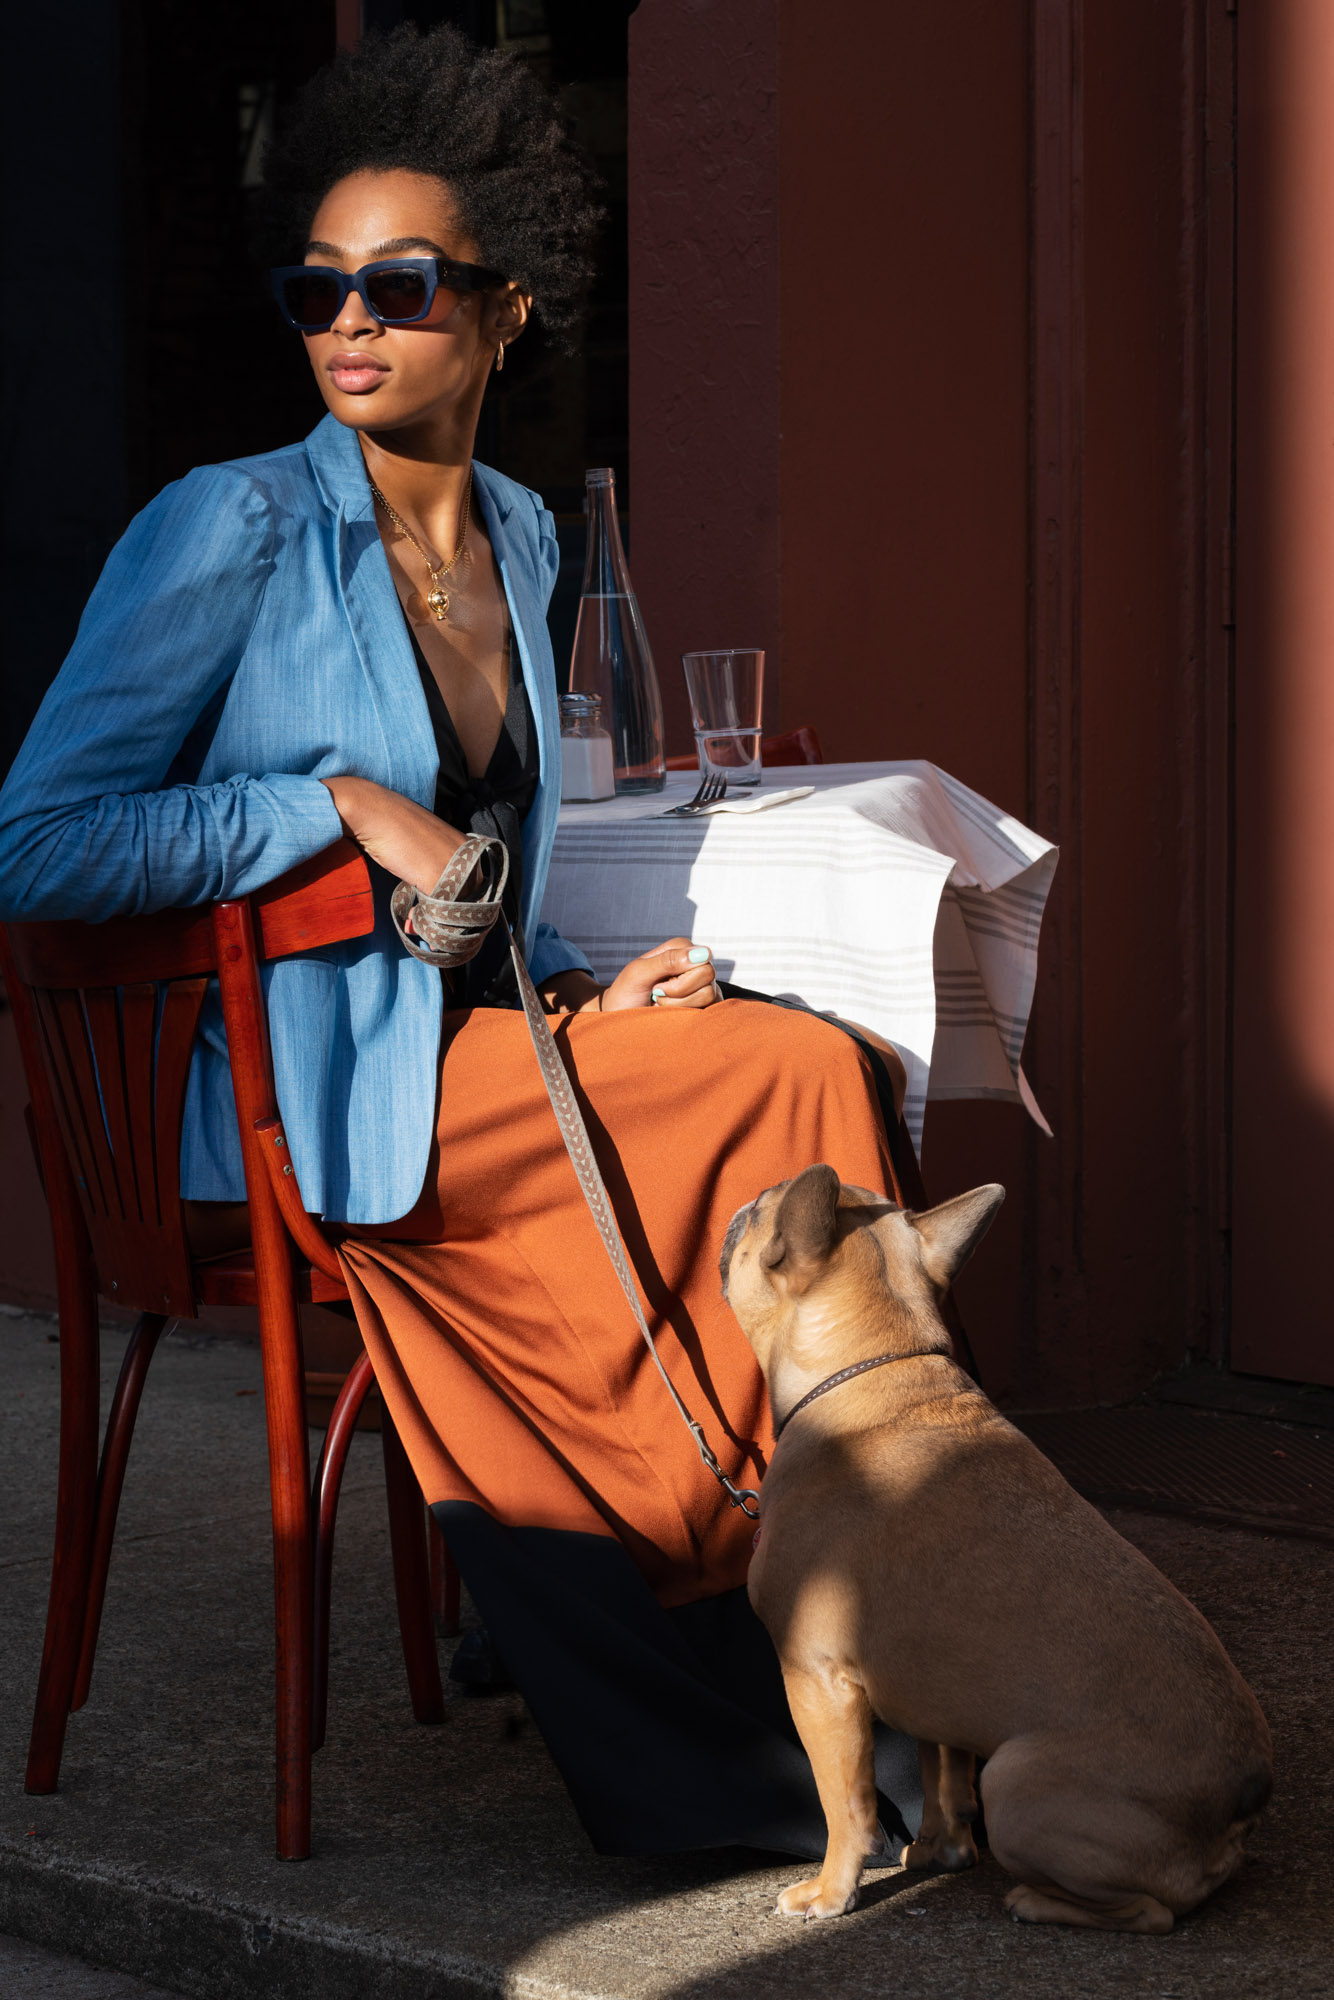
x=496, y=804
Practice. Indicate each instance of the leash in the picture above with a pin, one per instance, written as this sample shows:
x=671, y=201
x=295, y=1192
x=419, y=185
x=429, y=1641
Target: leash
x=846, y=1375
x=451, y=932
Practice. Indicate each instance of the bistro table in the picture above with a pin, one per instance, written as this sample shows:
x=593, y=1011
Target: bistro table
x=893, y=896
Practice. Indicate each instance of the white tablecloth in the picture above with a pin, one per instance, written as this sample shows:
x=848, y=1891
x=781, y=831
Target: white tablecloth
x=894, y=897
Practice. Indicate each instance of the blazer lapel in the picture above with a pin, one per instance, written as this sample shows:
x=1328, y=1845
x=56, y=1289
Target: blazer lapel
x=379, y=630
x=527, y=615
x=519, y=572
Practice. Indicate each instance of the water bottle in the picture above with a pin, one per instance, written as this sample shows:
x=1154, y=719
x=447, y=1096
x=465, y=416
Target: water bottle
x=612, y=658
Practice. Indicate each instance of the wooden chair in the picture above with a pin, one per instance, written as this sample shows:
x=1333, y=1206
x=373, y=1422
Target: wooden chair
x=793, y=746
x=106, y=1017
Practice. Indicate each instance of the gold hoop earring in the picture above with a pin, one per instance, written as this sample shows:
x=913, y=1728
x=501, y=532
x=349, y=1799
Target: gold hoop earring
x=500, y=357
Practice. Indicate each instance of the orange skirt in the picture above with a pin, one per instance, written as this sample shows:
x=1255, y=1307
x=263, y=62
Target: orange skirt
x=500, y=1337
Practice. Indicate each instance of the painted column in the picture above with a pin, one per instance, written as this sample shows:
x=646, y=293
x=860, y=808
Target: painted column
x=1284, y=1022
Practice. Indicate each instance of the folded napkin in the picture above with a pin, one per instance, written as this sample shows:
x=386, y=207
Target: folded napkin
x=756, y=802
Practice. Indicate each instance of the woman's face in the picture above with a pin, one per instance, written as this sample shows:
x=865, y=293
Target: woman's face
x=377, y=377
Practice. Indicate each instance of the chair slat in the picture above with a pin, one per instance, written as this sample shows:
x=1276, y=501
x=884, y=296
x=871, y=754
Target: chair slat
x=64, y=1099
x=67, y=1039
x=103, y=1018
x=175, y=1043
x=138, y=1015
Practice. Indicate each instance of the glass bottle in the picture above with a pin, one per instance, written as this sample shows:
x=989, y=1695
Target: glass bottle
x=612, y=658
x=586, y=768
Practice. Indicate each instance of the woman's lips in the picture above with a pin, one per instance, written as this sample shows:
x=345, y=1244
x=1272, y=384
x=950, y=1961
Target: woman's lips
x=355, y=373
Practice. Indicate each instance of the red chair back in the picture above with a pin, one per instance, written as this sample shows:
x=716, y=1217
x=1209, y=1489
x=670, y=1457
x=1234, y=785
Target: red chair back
x=791, y=746
x=106, y=1016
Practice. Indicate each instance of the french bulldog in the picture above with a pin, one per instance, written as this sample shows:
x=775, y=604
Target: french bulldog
x=919, y=1560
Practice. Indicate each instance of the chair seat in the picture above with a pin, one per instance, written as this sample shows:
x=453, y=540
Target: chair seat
x=231, y=1281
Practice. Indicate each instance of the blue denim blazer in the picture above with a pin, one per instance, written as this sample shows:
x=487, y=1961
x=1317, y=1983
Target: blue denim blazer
x=244, y=640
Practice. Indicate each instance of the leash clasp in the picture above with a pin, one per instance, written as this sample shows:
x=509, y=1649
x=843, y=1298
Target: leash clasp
x=744, y=1497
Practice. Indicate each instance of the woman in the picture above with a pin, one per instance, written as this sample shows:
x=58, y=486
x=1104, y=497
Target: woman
x=347, y=637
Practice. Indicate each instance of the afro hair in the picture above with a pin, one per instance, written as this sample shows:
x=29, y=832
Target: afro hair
x=476, y=119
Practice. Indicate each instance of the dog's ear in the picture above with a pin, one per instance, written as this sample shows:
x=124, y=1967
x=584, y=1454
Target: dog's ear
x=805, y=1225
x=952, y=1232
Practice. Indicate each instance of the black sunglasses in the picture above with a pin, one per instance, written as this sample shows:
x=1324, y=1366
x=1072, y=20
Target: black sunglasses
x=397, y=291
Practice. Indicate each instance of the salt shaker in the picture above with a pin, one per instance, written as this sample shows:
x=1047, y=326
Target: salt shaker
x=586, y=767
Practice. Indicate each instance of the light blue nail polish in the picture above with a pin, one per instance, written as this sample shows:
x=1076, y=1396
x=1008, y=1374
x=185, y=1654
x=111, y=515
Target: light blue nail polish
x=700, y=955
x=658, y=993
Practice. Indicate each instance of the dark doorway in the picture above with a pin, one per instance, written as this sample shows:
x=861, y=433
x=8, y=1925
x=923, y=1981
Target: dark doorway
x=176, y=357
x=553, y=415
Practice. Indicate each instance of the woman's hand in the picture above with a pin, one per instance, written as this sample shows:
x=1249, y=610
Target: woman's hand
x=677, y=974
x=402, y=836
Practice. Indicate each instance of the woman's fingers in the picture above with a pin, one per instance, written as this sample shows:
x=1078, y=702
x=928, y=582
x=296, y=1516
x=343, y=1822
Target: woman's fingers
x=697, y=979
x=679, y=971
x=680, y=960
x=700, y=996
x=686, y=976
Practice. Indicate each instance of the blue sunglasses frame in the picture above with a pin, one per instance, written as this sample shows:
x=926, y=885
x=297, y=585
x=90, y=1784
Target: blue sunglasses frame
x=436, y=271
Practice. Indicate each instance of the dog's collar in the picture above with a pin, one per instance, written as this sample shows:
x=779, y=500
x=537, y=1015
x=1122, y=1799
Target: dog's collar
x=846, y=1375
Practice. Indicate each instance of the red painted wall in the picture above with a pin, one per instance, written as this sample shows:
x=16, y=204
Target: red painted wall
x=704, y=381
x=904, y=382
x=995, y=373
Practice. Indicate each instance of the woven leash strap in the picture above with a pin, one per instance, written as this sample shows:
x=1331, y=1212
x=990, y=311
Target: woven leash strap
x=449, y=933
x=446, y=931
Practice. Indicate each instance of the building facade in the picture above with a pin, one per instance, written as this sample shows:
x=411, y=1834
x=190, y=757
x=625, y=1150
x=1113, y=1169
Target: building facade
x=981, y=368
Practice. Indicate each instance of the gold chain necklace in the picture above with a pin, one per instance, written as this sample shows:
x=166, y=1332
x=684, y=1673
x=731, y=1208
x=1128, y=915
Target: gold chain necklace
x=437, y=598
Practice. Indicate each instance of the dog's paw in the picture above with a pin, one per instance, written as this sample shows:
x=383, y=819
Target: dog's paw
x=1145, y=1914
x=811, y=1899
x=940, y=1851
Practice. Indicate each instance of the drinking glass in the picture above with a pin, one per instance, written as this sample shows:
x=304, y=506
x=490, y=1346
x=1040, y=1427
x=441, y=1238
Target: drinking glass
x=726, y=690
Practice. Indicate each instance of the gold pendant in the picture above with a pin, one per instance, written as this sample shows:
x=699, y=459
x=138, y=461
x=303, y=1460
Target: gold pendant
x=437, y=603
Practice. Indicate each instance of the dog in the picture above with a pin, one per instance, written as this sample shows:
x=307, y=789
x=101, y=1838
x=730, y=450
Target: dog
x=920, y=1561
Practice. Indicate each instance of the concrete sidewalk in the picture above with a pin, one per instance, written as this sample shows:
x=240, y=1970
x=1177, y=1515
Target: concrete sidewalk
x=447, y=1861
x=31, y=1972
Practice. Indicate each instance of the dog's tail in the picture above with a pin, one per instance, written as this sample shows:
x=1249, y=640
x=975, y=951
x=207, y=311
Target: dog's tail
x=1253, y=1795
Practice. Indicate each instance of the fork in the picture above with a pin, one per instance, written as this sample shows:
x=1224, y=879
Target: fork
x=711, y=790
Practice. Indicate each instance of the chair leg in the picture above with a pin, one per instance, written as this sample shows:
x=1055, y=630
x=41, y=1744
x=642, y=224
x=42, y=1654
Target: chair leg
x=444, y=1582
x=289, y=1493
x=412, y=1583
x=76, y=1504
x=110, y=1480
x=328, y=1484
x=284, y=1375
